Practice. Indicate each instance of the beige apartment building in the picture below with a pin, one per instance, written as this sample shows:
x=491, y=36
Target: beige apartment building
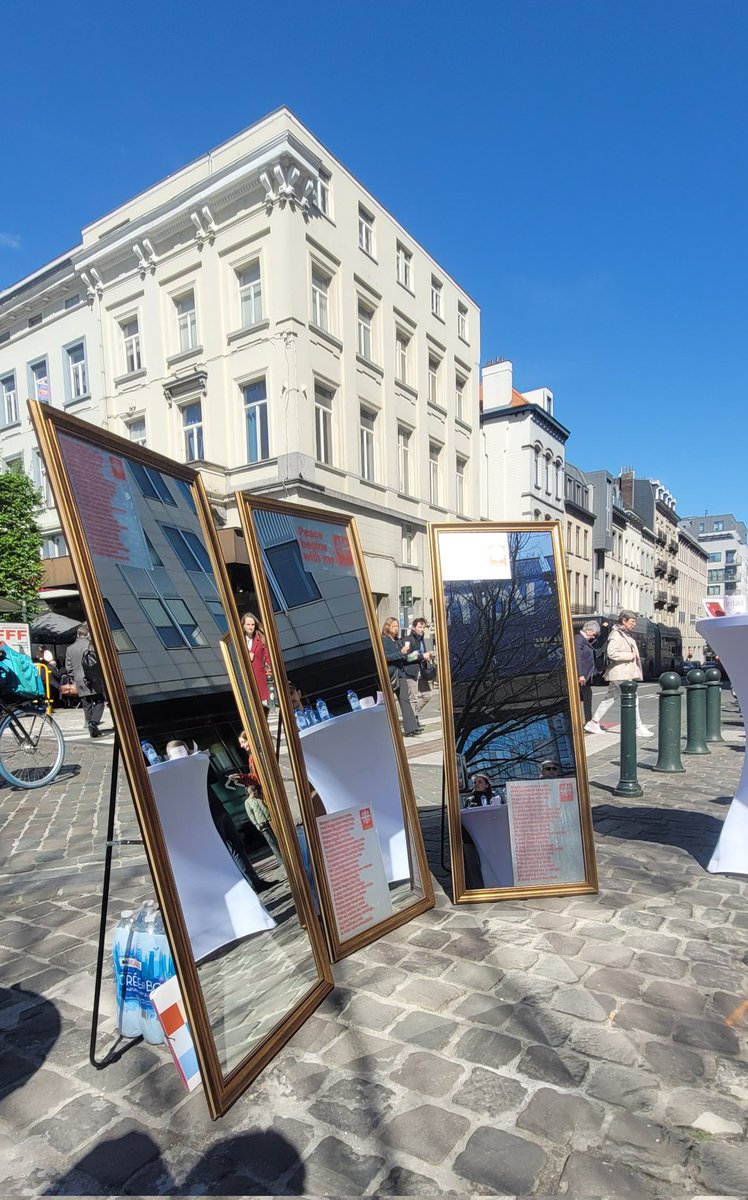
x=578, y=529
x=693, y=562
x=260, y=315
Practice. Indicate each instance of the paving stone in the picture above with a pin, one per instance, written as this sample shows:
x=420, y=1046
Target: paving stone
x=425, y=1132
x=429, y=993
x=470, y=947
x=566, y=944
x=723, y=1169
x=561, y=1067
x=725, y=1004
x=710, y=976
x=717, y=1126
x=661, y=965
x=429, y=939
x=688, y=1105
x=594, y=1176
x=538, y=1024
x=684, y=1000
x=500, y=1162
x=429, y=1074
x=39, y=1097
x=401, y=1182
x=370, y=1013
x=644, y=1017
x=558, y=1115
x=577, y=1002
x=608, y=1042
x=77, y=1122
x=487, y=1048
x=484, y=1010
x=489, y=1092
x=435, y=966
x=702, y=951
x=354, y=1106
x=732, y=1078
x=333, y=1168
x=651, y=942
x=648, y=1144
x=553, y=966
x=518, y=986
x=316, y=1033
x=127, y=1147
x=706, y=1035
x=425, y=1029
x=674, y=1063
x=613, y=982
x=626, y=1086
x=474, y=976
x=607, y=954
x=513, y=958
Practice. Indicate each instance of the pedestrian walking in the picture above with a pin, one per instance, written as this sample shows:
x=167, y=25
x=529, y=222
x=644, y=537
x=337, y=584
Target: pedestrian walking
x=258, y=656
x=622, y=657
x=583, y=639
x=418, y=668
x=82, y=663
x=395, y=654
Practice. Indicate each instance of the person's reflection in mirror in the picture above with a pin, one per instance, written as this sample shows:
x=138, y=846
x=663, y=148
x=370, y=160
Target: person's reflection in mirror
x=230, y=836
x=257, y=809
x=82, y=663
x=482, y=793
x=258, y=656
x=297, y=703
x=395, y=653
x=549, y=769
x=417, y=661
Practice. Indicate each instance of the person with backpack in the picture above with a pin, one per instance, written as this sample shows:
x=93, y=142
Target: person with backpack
x=623, y=662
x=82, y=663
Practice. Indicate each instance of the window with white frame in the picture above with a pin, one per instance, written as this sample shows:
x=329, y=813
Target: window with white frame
x=40, y=381
x=404, y=267
x=320, y=298
x=322, y=192
x=367, y=422
x=434, y=472
x=192, y=425
x=402, y=346
x=403, y=459
x=460, y=382
x=462, y=321
x=460, y=484
x=436, y=296
x=365, y=322
x=15, y=464
x=548, y=474
x=186, y=321
x=559, y=479
x=54, y=546
x=537, y=460
x=250, y=294
x=366, y=231
x=323, y=398
x=433, y=379
x=136, y=431
x=256, y=420
x=10, y=400
x=77, y=371
x=408, y=544
x=131, y=345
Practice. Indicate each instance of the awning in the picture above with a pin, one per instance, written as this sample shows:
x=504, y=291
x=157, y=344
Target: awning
x=58, y=593
x=54, y=628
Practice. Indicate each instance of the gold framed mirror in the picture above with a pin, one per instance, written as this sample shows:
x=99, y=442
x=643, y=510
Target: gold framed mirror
x=251, y=967
x=518, y=803
x=349, y=766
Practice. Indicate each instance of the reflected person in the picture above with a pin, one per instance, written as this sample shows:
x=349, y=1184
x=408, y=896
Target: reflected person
x=258, y=656
x=395, y=654
x=255, y=805
x=81, y=662
x=624, y=663
x=549, y=769
x=482, y=794
x=417, y=658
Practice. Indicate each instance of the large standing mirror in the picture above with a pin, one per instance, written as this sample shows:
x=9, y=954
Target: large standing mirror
x=515, y=767
x=338, y=713
x=249, y=954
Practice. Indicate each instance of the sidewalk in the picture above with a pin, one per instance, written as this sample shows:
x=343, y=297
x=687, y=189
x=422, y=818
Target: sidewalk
x=581, y=1047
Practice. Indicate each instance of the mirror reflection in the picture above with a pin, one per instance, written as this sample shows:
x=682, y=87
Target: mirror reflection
x=254, y=958
x=335, y=695
x=517, y=777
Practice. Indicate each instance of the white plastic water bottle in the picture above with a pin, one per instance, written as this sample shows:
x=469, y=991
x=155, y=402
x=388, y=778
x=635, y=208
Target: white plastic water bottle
x=120, y=941
x=150, y=753
x=300, y=719
x=353, y=700
x=157, y=968
x=130, y=1025
x=311, y=716
x=323, y=710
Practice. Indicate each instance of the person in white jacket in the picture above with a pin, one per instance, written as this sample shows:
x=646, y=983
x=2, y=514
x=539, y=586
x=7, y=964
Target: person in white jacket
x=622, y=654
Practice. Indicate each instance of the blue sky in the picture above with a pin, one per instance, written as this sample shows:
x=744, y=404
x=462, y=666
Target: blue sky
x=579, y=166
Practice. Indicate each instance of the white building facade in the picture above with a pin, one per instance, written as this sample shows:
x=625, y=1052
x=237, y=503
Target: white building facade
x=261, y=316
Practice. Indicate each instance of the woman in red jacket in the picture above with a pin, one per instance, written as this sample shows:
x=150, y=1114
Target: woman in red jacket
x=258, y=655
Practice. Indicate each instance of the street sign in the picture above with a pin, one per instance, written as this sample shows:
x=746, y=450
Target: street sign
x=17, y=636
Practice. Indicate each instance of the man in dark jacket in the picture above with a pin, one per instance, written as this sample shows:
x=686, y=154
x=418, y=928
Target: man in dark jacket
x=417, y=656
x=586, y=664
x=82, y=664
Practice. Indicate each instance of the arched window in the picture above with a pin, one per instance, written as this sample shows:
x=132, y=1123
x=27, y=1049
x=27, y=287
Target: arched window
x=548, y=474
x=559, y=479
x=537, y=465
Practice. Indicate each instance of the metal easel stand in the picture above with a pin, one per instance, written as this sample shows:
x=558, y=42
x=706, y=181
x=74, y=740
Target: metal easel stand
x=445, y=865
x=117, y=1049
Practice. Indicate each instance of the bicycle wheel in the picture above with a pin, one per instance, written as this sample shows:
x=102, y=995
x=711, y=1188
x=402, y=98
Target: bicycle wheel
x=32, y=748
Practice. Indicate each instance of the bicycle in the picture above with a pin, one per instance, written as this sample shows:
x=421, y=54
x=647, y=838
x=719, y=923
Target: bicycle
x=32, y=747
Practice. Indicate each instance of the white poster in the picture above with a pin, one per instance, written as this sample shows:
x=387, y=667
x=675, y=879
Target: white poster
x=16, y=636
x=475, y=555
x=545, y=831
x=355, y=870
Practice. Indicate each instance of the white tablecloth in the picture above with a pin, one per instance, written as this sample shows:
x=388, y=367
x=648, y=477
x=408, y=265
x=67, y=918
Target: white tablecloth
x=350, y=760
x=489, y=828
x=218, y=904
x=728, y=637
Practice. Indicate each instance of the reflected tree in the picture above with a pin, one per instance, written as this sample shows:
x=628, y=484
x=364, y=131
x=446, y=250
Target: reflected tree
x=509, y=688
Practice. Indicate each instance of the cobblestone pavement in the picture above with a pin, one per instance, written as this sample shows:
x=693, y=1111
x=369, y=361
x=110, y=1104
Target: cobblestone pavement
x=584, y=1047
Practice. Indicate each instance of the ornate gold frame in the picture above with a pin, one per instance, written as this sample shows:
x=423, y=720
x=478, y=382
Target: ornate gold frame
x=221, y=1092
x=461, y=894
x=338, y=949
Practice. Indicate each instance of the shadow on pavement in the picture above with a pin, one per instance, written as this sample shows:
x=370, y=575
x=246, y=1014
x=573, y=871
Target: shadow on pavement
x=696, y=833
x=26, y=1044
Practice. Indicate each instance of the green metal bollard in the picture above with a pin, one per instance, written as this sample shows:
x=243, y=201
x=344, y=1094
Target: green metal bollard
x=668, y=738
x=696, y=714
x=628, y=784
x=714, y=705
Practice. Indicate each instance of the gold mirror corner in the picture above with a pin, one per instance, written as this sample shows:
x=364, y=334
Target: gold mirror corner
x=156, y=593
x=519, y=815
x=337, y=709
